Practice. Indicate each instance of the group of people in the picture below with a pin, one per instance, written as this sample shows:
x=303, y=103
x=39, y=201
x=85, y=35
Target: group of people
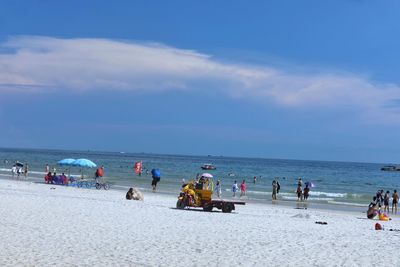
x=380, y=200
x=53, y=178
x=302, y=194
x=19, y=169
x=243, y=188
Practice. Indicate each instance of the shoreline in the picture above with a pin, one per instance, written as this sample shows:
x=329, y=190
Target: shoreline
x=293, y=204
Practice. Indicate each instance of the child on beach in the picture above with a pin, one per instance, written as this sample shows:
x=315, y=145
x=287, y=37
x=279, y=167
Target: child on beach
x=243, y=188
x=395, y=197
x=218, y=189
x=235, y=188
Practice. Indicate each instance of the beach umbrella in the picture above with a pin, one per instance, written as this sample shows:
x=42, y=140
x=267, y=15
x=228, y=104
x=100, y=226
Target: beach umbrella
x=66, y=162
x=84, y=163
x=207, y=175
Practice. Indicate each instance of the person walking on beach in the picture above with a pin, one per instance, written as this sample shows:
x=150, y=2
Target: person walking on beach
x=395, y=197
x=254, y=179
x=235, y=188
x=243, y=188
x=278, y=187
x=218, y=188
x=156, y=175
x=274, y=190
x=47, y=169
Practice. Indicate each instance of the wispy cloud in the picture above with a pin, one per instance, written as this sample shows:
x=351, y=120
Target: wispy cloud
x=37, y=64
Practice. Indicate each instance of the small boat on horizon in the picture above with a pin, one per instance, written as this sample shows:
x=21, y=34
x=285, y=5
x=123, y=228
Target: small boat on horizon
x=208, y=167
x=390, y=168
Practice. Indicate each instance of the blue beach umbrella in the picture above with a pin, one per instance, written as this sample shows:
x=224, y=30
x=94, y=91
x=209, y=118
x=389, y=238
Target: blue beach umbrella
x=66, y=162
x=84, y=163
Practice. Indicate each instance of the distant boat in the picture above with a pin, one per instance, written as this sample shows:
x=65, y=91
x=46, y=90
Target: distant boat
x=208, y=167
x=390, y=168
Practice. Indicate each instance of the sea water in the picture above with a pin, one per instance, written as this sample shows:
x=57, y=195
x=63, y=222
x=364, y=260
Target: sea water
x=341, y=183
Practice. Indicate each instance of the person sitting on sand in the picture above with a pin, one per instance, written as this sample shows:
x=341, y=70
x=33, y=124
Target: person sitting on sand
x=134, y=194
x=372, y=211
x=48, y=178
x=129, y=194
x=64, y=179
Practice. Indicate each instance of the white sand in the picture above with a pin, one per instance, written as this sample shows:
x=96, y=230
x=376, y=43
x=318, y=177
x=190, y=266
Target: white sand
x=68, y=226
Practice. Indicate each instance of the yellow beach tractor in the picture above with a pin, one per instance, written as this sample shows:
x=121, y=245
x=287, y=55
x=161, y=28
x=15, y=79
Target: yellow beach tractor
x=198, y=194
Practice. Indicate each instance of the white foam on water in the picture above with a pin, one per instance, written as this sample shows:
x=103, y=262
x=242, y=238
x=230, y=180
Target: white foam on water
x=328, y=194
x=346, y=203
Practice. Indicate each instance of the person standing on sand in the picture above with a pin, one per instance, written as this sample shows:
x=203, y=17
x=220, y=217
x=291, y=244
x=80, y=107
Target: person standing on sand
x=395, y=197
x=274, y=190
x=13, y=170
x=26, y=168
x=235, y=188
x=386, y=201
x=218, y=189
x=243, y=188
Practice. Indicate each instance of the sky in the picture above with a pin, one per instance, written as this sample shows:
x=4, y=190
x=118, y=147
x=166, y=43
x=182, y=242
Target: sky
x=314, y=80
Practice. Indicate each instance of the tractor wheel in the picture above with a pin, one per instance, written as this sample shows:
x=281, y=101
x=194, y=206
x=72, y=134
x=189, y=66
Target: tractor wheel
x=227, y=207
x=180, y=204
x=208, y=207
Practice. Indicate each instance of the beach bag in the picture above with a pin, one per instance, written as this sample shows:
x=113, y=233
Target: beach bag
x=378, y=226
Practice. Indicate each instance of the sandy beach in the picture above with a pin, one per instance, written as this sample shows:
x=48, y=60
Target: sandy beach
x=46, y=225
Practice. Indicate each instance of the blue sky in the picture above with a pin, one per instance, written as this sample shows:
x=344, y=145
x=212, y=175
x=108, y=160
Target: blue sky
x=276, y=79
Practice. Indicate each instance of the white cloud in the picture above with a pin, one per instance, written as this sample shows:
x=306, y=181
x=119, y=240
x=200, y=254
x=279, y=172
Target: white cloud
x=43, y=64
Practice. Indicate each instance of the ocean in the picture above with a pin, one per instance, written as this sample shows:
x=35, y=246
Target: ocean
x=336, y=183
